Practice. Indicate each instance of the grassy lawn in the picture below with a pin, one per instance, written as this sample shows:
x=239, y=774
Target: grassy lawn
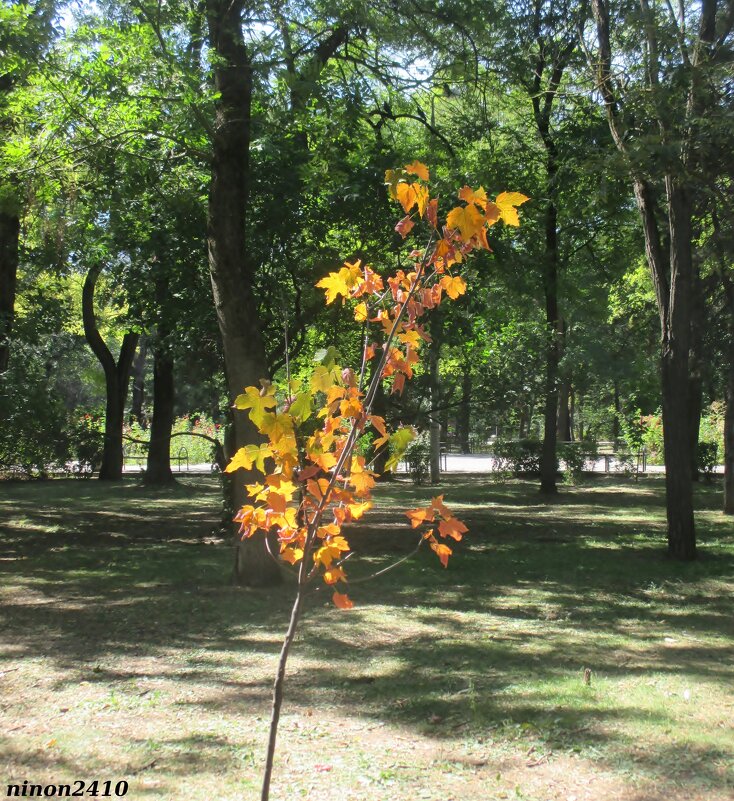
x=126, y=654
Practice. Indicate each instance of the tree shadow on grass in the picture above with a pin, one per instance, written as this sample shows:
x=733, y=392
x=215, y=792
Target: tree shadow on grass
x=493, y=647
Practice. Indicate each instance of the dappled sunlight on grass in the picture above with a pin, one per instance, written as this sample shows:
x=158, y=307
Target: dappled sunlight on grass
x=117, y=609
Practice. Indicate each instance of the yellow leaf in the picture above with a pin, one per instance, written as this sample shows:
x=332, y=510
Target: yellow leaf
x=256, y=401
x=341, y=282
x=470, y=196
x=292, y=555
x=421, y=197
x=507, y=202
x=356, y=510
x=300, y=409
x=468, y=219
x=360, y=312
x=249, y=455
x=276, y=426
x=406, y=195
x=334, y=574
x=454, y=285
x=322, y=379
x=417, y=168
x=411, y=337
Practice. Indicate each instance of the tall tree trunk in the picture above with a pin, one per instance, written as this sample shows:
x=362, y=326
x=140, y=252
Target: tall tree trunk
x=137, y=410
x=117, y=378
x=158, y=468
x=672, y=279
x=695, y=369
x=9, y=243
x=464, y=417
x=229, y=262
x=434, y=354
x=729, y=412
x=675, y=381
x=548, y=462
x=564, y=411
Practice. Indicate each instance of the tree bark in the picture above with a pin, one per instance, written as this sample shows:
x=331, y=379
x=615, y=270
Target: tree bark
x=9, y=244
x=695, y=362
x=564, y=411
x=158, y=467
x=672, y=279
x=434, y=354
x=675, y=380
x=729, y=411
x=464, y=417
x=229, y=262
x=117, y=377
x=137, y=411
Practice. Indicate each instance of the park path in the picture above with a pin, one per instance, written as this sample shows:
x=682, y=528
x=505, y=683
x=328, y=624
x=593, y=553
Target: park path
x=451, y=463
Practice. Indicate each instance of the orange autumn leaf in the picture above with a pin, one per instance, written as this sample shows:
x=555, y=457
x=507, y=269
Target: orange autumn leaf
x=276, y=502
x=362, y=483
x=442, y=551
x=334, y=574
x=422, y=515
x=492, y=213
x=419, y=169
x=452, y=528
x=342, y=601
x=432, y=213
x=292, y=555
x=469, y=195
x=405, y=226
x=438, y=504
x=410, y=195
x=398, y=384
x=379, y=424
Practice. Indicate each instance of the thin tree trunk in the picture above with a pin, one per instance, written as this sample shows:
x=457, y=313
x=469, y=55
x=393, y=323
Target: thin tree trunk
x=229, y=262
x=158, y=468
x=729, y=435
x=564, y=411
x=464, y=417
x=9, y=243
x=548, y=462
x=695, y=362
x=137, y=410
x=434, y=354
x=117, y=377
x=617, y=412
x=729, y=412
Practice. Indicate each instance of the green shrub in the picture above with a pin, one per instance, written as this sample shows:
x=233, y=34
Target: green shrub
x=86, y=435
x=418, y=458
x=577, y=457
x=707, y=457
x=34, y=439
x=517, y=457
